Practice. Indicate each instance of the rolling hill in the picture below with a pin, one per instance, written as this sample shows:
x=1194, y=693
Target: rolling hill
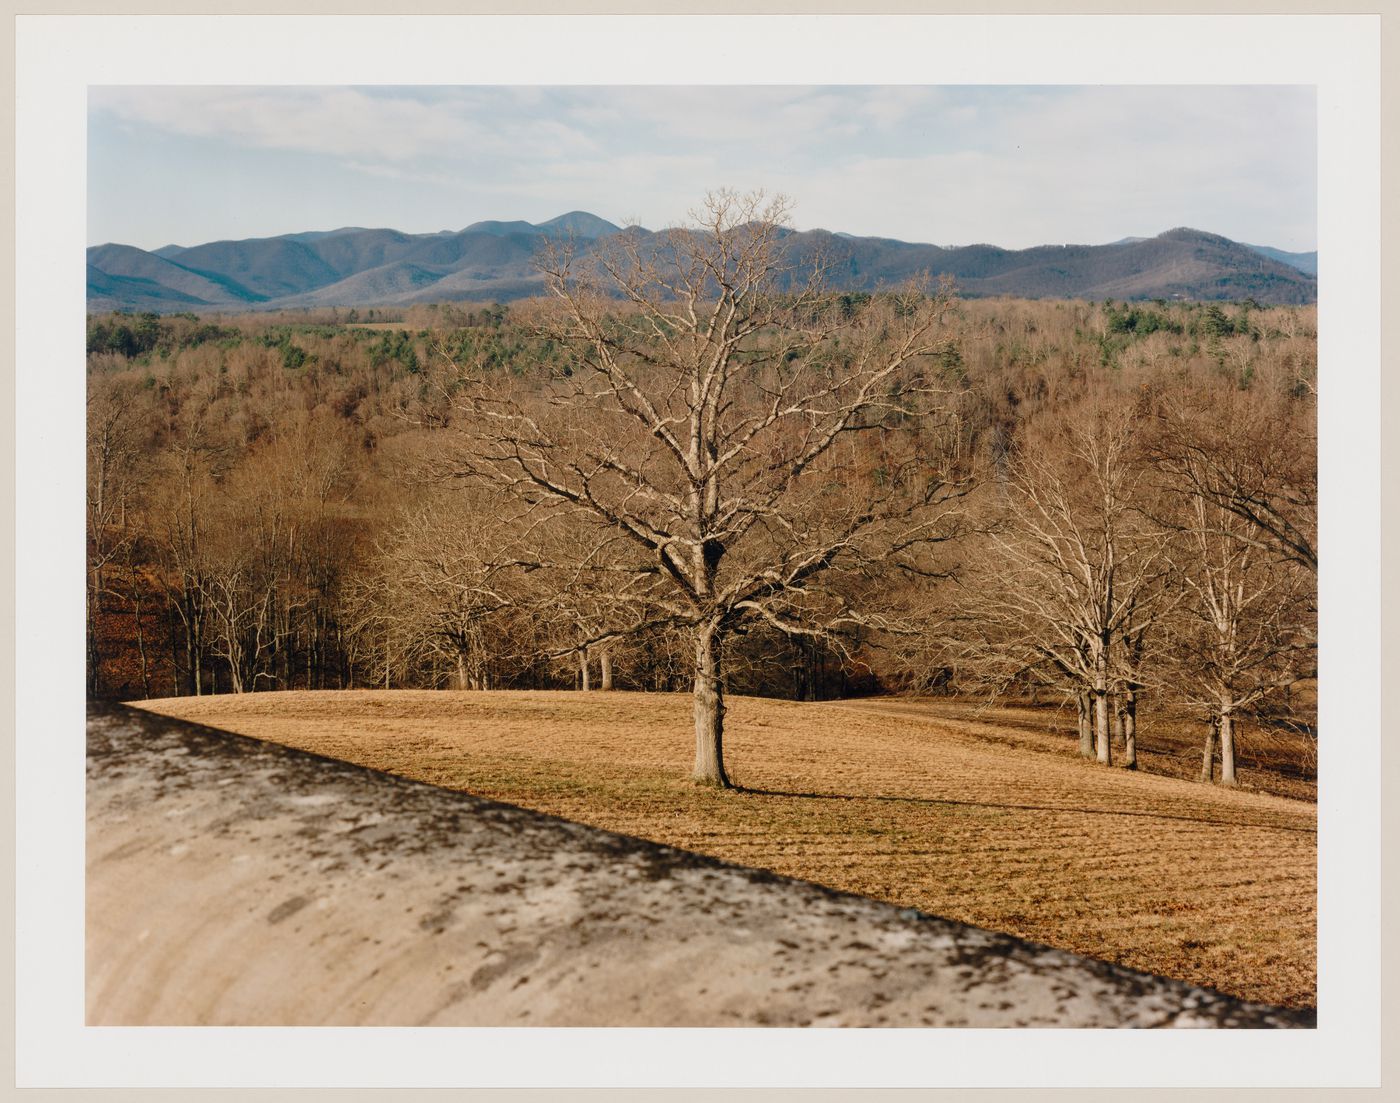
x=494, y=261
x=971, y=818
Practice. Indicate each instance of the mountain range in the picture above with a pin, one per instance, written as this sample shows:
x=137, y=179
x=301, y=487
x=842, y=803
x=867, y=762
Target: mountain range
x=494, y=262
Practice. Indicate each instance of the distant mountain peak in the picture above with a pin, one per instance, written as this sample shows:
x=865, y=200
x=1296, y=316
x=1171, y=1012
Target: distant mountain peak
x=1187, y=233
x=580, y=224
x=500, y=229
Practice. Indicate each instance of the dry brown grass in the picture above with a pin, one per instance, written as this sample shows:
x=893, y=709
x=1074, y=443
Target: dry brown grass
x=1268, y=759
x=906, y=802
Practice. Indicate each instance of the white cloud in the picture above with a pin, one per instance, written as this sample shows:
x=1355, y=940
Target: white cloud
x=340, y=122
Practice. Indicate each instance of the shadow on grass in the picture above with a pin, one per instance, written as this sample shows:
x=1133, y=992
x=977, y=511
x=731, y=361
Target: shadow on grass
x=1025, y=808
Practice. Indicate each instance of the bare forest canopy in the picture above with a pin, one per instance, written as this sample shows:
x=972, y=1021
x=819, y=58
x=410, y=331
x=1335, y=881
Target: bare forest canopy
x=494, y=261
x=745, y=484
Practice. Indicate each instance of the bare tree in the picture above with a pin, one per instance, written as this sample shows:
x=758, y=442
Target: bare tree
x=587, y=583
x=1239, y=476
x=180, y=508
x=724, y=415
x=1251, y=457
x=259, y=545
x=1243, y=630
x=454, y=580
x=240, y=617
x=113, y=456
x=1071, y=584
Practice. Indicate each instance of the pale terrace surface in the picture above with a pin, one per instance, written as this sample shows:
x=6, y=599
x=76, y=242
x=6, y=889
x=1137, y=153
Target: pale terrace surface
x=232, y=881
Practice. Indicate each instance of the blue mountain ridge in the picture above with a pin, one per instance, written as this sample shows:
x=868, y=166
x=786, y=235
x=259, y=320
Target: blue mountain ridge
x=494, y=261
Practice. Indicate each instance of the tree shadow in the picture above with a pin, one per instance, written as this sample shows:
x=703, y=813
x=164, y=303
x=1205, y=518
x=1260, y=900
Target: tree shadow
x=1025, y=808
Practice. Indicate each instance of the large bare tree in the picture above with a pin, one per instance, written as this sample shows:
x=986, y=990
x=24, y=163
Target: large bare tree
x=753, y=438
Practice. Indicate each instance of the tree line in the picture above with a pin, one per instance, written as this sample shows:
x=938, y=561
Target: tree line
x=693, y=466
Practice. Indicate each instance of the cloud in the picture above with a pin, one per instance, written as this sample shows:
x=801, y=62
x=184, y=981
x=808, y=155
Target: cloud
x=1021, y=167
x=892, y=106
x=351, y=123
x=714, y=118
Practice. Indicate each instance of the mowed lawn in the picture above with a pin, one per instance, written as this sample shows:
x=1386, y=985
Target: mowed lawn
x=928, y=811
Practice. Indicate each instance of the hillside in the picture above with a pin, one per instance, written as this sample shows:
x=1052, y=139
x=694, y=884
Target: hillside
x=1304, y=262
x=234, y=882
x=1214, y=887
x=493, y=261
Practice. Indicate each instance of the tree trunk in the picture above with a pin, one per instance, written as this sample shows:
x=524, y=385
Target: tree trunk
x=1208, y=755
x=194, y=649
x=584, y=682
x=709, y=711
x=1128, y=718
x=94, y=661
x=463, y=679
x=605, y=666
x=94, y=606
x=1101, y=728
x=1227, y=749
x=176, y=686
x=141, y=643
x=197, y=644
x=1099, y=693
x=1086, y=726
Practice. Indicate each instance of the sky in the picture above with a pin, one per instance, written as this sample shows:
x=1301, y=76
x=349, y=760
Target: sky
x=951, y=165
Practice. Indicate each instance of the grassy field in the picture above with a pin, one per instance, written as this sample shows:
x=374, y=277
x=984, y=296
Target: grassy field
x=979, y=816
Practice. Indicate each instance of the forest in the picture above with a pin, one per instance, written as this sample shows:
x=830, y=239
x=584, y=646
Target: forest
x=686, y=469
